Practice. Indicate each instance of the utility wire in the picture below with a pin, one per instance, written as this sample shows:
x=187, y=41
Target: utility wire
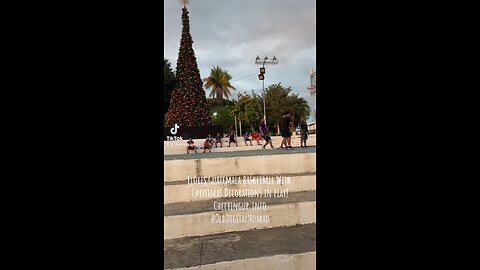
x=245, y=77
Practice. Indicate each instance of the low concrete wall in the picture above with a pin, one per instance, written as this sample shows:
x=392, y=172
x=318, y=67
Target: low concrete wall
x=179, y=147
x=183, y=192
x=303, y=261
x=201, y=224
x=255, y=165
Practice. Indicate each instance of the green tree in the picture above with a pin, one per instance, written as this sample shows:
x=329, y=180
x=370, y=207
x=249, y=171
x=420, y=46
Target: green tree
x=168, y=83
x=219, y=81
x=248, y=110
x=188, y=103
x=279, y=100
x=222, y=115
x=276, y=104
x=298, y=107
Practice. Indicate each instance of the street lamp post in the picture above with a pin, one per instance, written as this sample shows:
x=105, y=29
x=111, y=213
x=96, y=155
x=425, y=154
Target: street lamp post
x=261, y=77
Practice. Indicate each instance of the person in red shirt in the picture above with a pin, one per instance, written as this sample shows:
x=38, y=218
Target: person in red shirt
x=191, y=146
x=256, y=137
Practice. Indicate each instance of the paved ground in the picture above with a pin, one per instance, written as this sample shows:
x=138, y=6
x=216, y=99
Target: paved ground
x=260, y=151
x=193, y=251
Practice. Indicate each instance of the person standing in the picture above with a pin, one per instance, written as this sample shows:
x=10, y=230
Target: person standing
x=303, y=132
x=264, y=131
x=285, y=125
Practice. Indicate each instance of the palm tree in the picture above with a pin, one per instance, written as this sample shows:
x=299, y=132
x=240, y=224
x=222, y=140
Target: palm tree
x=299, y=106
x=219, y=81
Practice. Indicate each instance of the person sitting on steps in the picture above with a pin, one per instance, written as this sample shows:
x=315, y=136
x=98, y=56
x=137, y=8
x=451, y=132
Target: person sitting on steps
x=191, y=146
x=218, y=140
x=207, y=145
x=210, y=140
x=246, y=138
x=232, y=138
x=257, y=137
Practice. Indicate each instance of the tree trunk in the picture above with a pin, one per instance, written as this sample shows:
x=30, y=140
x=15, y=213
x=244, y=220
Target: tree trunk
x=251, y=126
x=278, y=128
x=218, y=93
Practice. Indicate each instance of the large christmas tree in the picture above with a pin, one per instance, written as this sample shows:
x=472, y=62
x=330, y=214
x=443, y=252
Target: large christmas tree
x=188, y=103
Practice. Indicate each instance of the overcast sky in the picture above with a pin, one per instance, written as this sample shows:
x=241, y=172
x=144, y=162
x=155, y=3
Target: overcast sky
x=232, y=33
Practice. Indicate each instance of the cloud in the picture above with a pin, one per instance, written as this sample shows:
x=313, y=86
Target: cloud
x=232, y=33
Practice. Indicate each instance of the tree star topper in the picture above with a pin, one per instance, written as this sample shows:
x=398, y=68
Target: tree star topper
x=184, y=2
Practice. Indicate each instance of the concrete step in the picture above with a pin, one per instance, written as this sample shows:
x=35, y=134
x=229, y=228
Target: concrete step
x=181, y=191
x=274, y=248
x=179, y=147
x=254, y=151
x=302, y=261
x=200, y=218
x=262, y=163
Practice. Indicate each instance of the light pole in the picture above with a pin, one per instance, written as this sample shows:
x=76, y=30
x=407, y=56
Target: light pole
x=261, y=77
x=239, y=121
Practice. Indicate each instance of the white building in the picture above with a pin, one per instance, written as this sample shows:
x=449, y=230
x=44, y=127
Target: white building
x=313, y=88
x=313, y=82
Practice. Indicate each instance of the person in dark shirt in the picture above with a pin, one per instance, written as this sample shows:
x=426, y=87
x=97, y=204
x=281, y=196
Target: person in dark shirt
x=232, y=138
x=285, y=125
x=303, y=132
x=264, y=131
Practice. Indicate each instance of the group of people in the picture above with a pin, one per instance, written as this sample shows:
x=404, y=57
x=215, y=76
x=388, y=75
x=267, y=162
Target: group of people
x=285, y=129
x=255, y=137
x=286, y=124
x=210, y=141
